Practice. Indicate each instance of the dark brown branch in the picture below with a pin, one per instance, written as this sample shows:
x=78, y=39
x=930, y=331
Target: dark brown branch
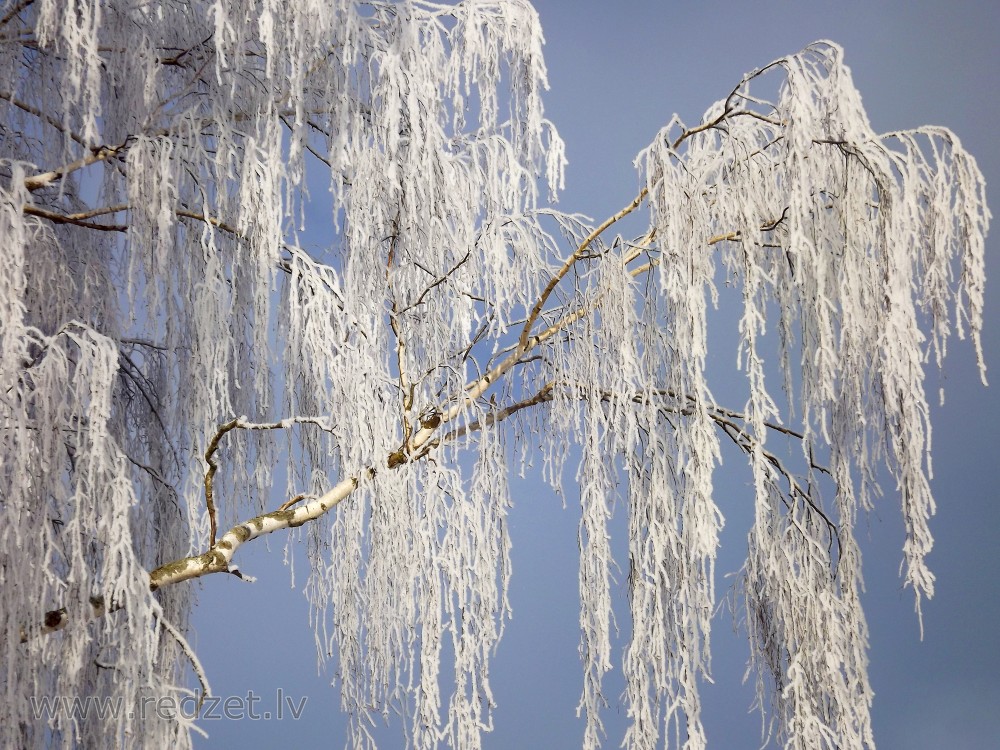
x=176, y=59
x=210, y=477
x=440, y=280
x=79, y=220
x=714, y=123
x=544, y=395
x=308, y=146
x=747, y=444
x=184, y=213
x=153, y=473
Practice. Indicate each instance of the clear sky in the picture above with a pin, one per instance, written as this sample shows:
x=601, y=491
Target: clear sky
x=618, y=70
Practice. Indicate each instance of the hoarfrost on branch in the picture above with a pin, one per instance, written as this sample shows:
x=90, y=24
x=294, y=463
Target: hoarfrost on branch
x=165, y=341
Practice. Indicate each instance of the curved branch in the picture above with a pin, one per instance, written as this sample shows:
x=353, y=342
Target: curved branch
x=196, y=665
x=242, y=424
x=210, y=476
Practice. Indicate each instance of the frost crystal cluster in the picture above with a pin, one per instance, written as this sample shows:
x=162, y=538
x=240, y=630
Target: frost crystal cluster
x=171, y=330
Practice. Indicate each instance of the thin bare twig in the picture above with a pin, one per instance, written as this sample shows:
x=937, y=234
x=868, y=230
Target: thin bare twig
x=405, y=386
x=9, y=16
x=747, y=443
x=43, y=116
x=439, y=280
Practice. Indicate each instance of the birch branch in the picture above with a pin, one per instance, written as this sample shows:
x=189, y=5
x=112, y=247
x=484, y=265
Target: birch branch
x=568, y=264
x=44, y=179
x=34, y=111
x=218, y=559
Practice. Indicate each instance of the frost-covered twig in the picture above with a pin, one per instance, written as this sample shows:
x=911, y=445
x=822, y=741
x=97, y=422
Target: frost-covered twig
x=722, y=416
x=748, y=444
x=196, y=665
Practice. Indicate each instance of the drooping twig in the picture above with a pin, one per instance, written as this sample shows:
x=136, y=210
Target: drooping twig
x=723, y=417
x=196, y=665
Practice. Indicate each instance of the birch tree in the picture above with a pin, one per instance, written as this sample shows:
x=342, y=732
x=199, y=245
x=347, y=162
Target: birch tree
x=168, y=338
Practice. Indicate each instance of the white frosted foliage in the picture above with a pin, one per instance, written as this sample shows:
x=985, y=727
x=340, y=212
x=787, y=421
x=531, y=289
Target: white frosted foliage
x=308, y=239
x=834, y=227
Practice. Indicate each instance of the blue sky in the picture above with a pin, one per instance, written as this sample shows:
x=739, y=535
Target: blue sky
x=618, y=70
